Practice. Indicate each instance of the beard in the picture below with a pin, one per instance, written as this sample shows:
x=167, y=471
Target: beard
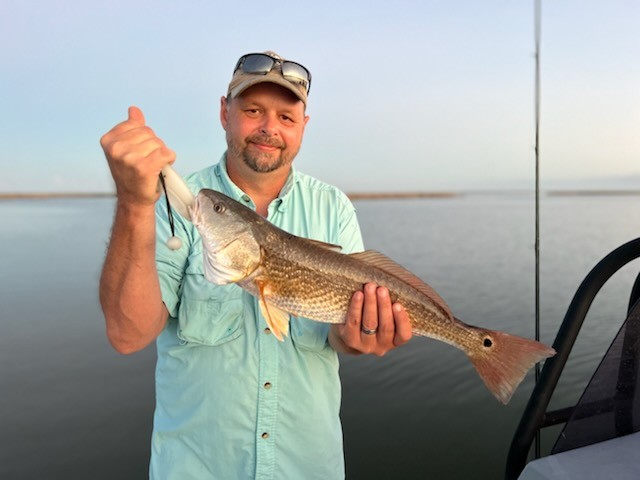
x=256, y=160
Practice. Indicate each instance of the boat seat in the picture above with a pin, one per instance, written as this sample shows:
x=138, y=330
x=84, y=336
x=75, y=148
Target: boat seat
x=610, y=404
x=615, y=459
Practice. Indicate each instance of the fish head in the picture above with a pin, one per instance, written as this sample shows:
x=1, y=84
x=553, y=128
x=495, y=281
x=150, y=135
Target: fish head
x=230, y=250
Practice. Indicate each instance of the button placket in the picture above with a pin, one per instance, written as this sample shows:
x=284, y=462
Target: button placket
x=267, y=400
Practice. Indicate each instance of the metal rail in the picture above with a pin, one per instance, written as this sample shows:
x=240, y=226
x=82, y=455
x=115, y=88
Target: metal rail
x=535, y=415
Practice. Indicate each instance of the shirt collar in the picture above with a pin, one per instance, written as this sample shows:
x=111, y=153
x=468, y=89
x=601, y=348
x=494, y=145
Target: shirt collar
x=284, y=197
x=232, y=190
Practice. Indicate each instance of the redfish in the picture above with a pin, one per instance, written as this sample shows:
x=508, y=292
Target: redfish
x=291, y=275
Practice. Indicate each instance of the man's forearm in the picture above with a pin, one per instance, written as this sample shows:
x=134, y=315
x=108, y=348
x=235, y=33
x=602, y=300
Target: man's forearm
x=129, y=286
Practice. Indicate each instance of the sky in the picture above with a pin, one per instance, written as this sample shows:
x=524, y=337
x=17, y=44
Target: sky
x=430, y=95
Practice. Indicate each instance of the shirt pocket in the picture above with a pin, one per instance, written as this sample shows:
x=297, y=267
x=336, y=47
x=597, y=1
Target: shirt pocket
x=209, y=314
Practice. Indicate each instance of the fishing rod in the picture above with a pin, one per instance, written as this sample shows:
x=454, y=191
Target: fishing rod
x=537, y=34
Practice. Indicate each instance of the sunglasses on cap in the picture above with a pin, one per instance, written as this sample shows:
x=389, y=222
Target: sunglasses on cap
x=261, y=64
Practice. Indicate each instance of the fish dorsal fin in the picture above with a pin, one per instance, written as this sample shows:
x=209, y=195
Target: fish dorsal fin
x=277, y=319
x=381, y=261
x=325, y=245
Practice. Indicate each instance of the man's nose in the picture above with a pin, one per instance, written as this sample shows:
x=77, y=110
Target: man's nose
x=269, y=125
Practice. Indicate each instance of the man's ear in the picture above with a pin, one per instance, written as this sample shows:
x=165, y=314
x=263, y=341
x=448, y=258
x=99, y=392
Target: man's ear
x=224, y=112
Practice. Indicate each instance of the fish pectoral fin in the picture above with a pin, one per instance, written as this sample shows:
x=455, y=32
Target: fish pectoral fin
x=276, y=318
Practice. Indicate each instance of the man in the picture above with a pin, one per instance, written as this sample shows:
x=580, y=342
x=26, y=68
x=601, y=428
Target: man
x=232, y=401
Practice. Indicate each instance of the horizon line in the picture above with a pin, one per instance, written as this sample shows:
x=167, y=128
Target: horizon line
x=364, y=195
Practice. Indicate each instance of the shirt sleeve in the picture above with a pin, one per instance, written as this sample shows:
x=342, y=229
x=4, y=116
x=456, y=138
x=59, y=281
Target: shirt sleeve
x=350, y=234
x=171, y=263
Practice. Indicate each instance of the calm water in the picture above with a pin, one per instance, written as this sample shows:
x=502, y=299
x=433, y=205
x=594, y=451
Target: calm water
x=71, y=408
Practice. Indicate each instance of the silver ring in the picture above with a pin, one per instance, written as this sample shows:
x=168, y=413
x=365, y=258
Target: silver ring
x=366, y=331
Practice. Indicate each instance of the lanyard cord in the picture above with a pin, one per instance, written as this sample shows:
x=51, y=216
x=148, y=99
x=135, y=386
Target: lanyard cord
x=169, y=212
x=174, y=243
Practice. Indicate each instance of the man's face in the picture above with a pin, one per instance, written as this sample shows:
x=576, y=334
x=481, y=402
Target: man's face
x=264, y=127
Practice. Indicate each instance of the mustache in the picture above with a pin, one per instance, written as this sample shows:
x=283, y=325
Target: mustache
x=265, y=140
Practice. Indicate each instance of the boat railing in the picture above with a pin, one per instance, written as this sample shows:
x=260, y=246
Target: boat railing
x=535, y=416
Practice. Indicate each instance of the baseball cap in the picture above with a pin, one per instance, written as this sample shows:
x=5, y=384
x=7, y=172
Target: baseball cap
x=254, y=68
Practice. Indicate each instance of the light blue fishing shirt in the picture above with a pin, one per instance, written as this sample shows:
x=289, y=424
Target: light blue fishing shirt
x=232, y=402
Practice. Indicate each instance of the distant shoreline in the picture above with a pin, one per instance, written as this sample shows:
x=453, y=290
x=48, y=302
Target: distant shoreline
x=351, y=195
x=400, y=195
x=591, y=193
x=45, y=195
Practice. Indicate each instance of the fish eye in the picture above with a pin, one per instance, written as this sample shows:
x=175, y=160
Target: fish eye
x=218, y=208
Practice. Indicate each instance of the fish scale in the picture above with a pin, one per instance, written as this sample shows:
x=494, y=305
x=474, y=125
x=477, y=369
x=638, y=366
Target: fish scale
x=291, y=275
x=324, y=292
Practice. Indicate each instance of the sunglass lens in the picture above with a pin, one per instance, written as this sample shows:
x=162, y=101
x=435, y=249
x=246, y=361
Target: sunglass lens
x=296, y=72
x=257, y=64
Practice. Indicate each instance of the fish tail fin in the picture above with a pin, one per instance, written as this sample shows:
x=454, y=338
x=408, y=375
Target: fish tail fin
x=503, y=360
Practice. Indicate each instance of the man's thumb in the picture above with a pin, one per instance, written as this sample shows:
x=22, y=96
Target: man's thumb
x=136, y=115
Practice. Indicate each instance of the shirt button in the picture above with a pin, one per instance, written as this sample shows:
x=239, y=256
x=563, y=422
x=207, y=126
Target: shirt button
x=267, y=385
x=267, y=330
x=265, y=435
x=246, y=198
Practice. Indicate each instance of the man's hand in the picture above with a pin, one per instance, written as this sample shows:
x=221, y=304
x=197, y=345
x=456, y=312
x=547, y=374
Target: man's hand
x=373, y=324
x=136, y=156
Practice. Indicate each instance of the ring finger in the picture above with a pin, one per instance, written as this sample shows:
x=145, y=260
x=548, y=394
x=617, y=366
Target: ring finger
x=369, y=327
